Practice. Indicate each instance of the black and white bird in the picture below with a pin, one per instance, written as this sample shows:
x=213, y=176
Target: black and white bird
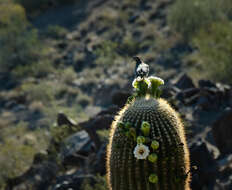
x=141, y=69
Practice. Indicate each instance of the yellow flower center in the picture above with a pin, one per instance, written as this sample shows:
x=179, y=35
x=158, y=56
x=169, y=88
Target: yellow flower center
x=141, y=151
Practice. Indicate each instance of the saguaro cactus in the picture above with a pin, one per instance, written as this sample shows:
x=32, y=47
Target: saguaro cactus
x=147, y=148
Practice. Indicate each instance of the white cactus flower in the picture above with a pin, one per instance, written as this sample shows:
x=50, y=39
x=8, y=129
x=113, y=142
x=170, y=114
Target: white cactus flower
x=156, y=79
x=141, y=151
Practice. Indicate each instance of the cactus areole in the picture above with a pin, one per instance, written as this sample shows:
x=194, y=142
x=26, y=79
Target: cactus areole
x=147, y=148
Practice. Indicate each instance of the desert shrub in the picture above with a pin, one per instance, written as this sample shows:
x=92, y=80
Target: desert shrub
x=58, y=137
x=40, y=5
x=38, y=69
x=227, y=8
x=84, y=100
x=99, y=185
x=17, y=149
x=68, y=75
x=129, y=46
x=188, y=16
x=19, y=44
x=43, y=92
x=15, y=159
x=33, y=5
x=56, y=31
x=106, y=53
x=214, y=51
x=103, y=134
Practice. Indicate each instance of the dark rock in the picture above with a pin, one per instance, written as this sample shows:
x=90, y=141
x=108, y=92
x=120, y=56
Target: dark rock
x=77, y=148
x=102, y=30
x=156, y=15
x=144, y=6
x=203, y=103
x=223, y=87
x=62, y=119
x=187, y=93
x=206, y=83
x=185, y=82
x=225, y=178
x=10, y=104
x=19, y=108
x=62, y=45
x=101, y=121
x=192, y=100
x=79, y=65
x=133, y=18
x=6, y=81
x=103, y=95
x=206, y=172
x=224, y=184
x=225, y=162
x=119, y=98
x=224, y=92
x=98, y=122
x=169, y=91
x=222, y=132
x=99, y=165
x=113, y=110
x=38, y=176
x=189, y=96
x=230, y=98
x=136, y=34
x=73, y=181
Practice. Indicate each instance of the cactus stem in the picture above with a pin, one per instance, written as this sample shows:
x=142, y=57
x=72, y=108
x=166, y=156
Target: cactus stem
x=147, y=148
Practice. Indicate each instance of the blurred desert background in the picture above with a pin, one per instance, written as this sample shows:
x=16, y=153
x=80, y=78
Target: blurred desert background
x=66, y=69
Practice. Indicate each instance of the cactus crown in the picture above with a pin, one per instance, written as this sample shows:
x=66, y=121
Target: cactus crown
x=147, y=149
x=147, y=86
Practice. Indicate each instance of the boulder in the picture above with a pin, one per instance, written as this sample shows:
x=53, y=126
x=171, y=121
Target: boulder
x=169, y=91
x=119, y=98
x=38, y=176
x=206, y=83
x=222, y=132
x=133, y=18
x=185, y=82
x=187, y=93
x=77, y=148
x=205, y=175
x=72, y=181
x=99, y=164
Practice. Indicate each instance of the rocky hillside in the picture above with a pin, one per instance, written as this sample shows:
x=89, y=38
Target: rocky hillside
x=82, y=68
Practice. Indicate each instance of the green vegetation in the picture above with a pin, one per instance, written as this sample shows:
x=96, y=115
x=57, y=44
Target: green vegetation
x=133, y=137
x=21, y=52
x=99, y=185
x=187, y=17
x=129, y=46
x=106, y=53
x=49, y=97
x=56, y=70
x=35, y=7
x=17, y=149
x=56, y=31
x=214, y=53
x=206, y=26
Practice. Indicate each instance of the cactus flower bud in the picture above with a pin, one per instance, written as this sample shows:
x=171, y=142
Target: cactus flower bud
x=153, y=178
x=145, y=128
x=153, y=157
x=141, y=139
x=154, y=145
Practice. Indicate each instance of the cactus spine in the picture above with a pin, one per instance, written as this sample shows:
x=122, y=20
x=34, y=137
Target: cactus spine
x=147, y=148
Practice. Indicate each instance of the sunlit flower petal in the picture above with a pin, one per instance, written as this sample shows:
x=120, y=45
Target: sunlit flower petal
x=141, y=151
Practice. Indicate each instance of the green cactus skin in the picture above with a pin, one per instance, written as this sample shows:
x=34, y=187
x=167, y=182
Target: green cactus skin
x=170, y=171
